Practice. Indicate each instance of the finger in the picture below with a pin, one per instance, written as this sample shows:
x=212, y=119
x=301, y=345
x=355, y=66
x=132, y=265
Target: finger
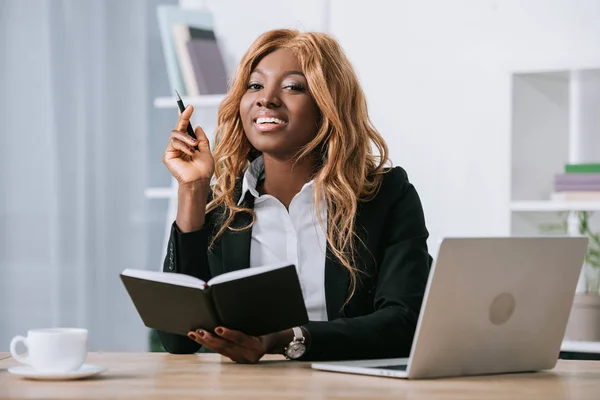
x=214, y=342
x=237, y=337
x=200, y=339
x=203, y=143
x=225, y=347
x=176, y=144
x=184, y=137
x=184, y=118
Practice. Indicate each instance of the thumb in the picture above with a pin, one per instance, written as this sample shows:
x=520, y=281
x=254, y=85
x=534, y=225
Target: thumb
x=203, y=143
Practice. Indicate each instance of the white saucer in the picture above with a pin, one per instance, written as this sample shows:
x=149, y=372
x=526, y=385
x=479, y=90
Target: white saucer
x=85, y=371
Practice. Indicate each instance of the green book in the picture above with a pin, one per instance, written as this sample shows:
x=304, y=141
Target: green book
x=582, y=168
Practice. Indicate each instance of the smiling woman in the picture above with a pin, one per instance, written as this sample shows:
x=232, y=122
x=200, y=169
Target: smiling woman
x=278, y=100
x=296, y=181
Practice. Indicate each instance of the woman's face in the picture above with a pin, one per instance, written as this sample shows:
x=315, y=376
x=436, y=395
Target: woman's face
x=278, y=113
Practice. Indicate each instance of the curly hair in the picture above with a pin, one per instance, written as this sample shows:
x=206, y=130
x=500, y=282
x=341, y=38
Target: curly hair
x=348, y=172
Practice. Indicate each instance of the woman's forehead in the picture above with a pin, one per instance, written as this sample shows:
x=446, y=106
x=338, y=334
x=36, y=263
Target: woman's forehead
x=280, y=60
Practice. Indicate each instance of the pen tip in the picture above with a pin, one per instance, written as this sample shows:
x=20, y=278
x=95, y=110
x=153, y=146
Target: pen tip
x=178, y=96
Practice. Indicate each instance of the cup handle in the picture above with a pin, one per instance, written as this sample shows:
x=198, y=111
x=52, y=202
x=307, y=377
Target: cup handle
x=13, y=349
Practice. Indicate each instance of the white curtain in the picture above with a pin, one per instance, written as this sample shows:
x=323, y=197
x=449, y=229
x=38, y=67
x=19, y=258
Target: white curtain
x=74, y=108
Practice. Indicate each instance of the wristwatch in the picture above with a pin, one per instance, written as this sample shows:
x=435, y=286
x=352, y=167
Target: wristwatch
x=297, y=346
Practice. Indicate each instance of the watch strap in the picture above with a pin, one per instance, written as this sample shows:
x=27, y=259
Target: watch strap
x=298, y=335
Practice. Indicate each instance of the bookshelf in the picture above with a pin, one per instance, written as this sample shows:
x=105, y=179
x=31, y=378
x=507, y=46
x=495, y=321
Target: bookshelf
x=160, y=192
x=210, y=100
x=580, y=347
x=553, y=206
x=554, y=121
x=205, y=114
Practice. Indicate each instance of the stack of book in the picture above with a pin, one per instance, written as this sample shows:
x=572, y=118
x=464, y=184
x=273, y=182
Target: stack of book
x=579, y=182
x=195, y=64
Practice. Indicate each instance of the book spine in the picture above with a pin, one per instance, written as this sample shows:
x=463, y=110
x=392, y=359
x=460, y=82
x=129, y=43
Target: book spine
x=576, y=196
x=590, y=168
x=196, y=60
x=579, y=178
x=561, y=187
x=214, y=313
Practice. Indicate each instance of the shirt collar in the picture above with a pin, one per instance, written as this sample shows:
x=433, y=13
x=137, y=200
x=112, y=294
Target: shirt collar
x=254, y=174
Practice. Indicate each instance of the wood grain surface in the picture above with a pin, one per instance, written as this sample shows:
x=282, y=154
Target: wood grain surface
x=210, y=376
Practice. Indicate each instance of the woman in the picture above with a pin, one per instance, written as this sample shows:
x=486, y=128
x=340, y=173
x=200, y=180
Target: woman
x=294, y=137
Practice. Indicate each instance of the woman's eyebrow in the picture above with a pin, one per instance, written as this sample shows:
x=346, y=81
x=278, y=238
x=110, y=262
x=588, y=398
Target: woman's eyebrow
x=286, y=73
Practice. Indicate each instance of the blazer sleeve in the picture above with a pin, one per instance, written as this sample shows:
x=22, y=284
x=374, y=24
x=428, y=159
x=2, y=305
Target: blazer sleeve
x=399, y=289
x=187, y=253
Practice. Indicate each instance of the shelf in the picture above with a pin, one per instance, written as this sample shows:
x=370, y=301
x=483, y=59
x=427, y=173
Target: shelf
x=580, y=347
x=160, y=193
x=543, y=206
x=211, y=100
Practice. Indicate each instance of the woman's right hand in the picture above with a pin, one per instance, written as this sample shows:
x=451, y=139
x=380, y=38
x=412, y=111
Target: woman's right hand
x=185, y=163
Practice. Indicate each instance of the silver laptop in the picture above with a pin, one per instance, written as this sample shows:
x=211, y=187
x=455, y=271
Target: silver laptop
x=492, y=305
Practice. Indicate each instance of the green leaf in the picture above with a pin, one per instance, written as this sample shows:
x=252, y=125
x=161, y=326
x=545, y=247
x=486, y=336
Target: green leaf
x=595, y=239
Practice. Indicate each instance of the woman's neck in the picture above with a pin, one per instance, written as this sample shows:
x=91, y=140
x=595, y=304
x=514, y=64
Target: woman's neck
x=284, y=178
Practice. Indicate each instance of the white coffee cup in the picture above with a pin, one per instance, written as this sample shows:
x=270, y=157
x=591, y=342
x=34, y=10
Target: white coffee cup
x=56, y=350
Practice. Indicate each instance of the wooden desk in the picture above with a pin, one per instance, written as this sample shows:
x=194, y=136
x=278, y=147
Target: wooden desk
x=209, y=376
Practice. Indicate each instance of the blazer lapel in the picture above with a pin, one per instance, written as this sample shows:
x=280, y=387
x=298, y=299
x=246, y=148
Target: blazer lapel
x=236, y=244
x=337, y=277
x=336, y=285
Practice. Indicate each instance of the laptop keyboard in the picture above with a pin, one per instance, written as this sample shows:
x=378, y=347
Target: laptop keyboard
x=400, y=367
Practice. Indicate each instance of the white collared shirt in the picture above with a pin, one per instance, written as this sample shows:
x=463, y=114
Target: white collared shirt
x=294, y=237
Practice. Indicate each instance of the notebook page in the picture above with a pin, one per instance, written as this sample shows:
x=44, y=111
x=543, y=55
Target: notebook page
x=242, y=273
x=166, y=277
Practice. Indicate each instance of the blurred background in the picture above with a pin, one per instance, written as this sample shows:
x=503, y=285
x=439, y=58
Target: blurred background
x=491, y=106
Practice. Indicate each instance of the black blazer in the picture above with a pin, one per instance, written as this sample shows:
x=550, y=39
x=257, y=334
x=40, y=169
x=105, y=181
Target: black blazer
x=380, y=319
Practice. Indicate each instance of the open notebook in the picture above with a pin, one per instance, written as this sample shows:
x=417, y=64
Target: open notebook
x=255, y=301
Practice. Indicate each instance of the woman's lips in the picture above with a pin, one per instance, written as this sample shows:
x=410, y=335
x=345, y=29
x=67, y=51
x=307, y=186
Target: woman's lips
x=269, y=127
x=269, y=124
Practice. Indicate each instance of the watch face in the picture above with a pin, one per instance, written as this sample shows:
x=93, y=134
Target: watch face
x=295, y=350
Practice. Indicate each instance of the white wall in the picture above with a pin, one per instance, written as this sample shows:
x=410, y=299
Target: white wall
x=238, y=23
x=436, y=75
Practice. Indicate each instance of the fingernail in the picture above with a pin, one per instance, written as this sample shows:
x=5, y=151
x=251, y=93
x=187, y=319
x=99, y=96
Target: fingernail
x=193, y=140
x=192, y=336
x=200, y=332
x=219, y=331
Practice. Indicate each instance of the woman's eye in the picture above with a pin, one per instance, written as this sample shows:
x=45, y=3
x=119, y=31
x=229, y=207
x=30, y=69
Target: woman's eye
x=254, y=86
x=295, y=87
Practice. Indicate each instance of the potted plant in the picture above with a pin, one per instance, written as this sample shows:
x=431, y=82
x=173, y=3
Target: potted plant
x=584, y=321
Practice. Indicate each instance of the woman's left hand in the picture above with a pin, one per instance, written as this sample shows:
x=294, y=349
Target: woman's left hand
x=240, y=347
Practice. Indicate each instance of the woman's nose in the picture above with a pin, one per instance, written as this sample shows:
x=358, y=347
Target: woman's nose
x=268, y=100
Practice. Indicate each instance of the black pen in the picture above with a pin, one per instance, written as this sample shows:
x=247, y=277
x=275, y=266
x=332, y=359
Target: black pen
x=190, y=130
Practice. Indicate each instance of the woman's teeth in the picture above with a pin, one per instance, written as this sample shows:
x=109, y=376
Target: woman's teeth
x=269, y=121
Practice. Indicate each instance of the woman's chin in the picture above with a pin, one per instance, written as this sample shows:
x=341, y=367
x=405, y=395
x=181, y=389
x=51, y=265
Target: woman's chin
x=269, y=145
x=283, y=153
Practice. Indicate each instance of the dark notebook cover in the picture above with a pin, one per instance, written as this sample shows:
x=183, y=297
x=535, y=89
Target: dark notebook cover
x=256, y=305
